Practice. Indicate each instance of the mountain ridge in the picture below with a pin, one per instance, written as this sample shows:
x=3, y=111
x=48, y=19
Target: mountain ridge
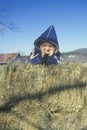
x=79, y=55
x=77, y=51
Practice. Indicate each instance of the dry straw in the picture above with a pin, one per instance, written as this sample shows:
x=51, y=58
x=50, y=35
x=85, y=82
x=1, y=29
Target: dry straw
x=36, y=97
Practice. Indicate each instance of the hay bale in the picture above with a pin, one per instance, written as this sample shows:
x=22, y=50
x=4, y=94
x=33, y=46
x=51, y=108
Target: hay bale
x=26, y=116
x=70, y=121
x=43, y=97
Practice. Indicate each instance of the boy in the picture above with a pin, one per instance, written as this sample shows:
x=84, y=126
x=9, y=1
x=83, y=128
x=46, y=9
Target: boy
x=46, y=49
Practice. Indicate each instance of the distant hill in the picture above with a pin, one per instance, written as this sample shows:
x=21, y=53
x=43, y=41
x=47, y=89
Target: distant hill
x=81, y=51
x=79, y=55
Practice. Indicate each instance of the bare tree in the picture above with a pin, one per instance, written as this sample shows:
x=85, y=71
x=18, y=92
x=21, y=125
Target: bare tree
x=5, y=20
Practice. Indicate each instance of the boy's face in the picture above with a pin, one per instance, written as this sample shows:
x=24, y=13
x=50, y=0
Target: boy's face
x=47, y=48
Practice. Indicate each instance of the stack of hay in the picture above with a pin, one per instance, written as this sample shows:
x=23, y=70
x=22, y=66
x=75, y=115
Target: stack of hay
x=36, y=97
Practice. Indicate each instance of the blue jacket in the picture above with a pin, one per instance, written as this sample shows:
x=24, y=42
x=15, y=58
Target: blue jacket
x=36, y=58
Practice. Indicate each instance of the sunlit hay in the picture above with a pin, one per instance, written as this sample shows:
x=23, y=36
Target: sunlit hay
x=67, y=101
x=28, y=80
x=68, y=95
x=33, y=113
x=70, y=121
x=65, y=122
x=10, y=121
x=68, y=74
x=18, y=80
x=36, y=97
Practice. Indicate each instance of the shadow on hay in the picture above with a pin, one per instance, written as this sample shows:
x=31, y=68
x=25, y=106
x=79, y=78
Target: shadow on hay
x=14, y=100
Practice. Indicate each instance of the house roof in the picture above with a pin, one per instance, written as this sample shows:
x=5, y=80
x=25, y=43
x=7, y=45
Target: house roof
x=9, y=57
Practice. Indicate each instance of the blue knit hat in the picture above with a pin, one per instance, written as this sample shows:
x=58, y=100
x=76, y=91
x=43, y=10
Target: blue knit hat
x=48, y=36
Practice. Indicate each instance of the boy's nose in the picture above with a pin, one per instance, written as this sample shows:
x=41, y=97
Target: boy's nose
x=47, y=47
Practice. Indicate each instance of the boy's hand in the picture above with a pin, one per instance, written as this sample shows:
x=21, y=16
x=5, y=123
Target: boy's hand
x=33, y=56
x=48, y=52
x=51, y=52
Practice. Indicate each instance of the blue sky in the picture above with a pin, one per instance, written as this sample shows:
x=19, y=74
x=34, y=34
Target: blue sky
x=69, y=18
